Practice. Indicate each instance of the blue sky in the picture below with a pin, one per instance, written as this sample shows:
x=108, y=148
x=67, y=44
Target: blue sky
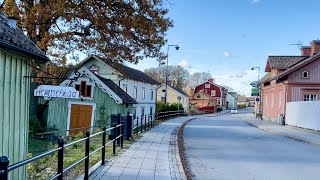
x=228, y=37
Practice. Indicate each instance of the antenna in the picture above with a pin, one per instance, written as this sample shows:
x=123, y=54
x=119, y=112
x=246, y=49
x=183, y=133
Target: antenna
x=298, y=44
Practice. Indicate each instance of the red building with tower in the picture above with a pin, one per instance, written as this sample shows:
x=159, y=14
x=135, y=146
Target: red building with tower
x=208, y=96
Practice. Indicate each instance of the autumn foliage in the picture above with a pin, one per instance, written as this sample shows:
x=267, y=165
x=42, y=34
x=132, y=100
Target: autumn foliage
x=123, y=30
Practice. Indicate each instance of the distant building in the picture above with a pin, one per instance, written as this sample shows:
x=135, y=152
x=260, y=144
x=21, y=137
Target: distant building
x=173, y=94
x=208, y=96
x=232, y=100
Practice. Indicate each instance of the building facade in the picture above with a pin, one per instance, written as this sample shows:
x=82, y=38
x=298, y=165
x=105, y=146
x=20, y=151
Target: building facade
x=172, y=96
x=100, y=98
x=17, y=54
x=291, y=78
x=135, y=83
x=208, y=96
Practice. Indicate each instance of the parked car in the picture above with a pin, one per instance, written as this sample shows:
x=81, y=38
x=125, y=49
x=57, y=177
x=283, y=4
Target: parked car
x=234, y=111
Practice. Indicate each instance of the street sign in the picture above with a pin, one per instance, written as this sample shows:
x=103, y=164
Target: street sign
x=254, y=84
x=254, y=92
x=257, y=99
x=49, y=91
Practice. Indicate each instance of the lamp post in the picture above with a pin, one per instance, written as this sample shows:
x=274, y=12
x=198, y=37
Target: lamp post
x=258, y=86
x=177, y=48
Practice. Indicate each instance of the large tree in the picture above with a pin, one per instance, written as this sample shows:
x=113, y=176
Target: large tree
x=198, y=78
x=124, y=30
x=176, y=73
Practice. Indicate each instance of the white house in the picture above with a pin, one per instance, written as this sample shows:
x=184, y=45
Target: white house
x=172, y=96
x=135, y=83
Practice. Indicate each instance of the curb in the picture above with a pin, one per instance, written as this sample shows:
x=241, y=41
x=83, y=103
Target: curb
x=284, y=134
x=180, y=141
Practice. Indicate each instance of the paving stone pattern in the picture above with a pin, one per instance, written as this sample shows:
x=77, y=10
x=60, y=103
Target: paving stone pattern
x=155, y=156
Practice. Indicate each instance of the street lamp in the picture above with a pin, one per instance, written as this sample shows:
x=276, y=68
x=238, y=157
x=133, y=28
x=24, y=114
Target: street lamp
x=177, y=48
x=258, y=86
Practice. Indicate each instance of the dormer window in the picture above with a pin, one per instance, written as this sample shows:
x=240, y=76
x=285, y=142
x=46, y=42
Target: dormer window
x=94, y=69
x=305, y=74
x=84, y=89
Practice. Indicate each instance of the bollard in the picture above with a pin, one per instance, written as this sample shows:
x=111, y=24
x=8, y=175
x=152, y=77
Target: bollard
x=4, y=163
x=60, y=158
x=87, y=152
x=104, y=146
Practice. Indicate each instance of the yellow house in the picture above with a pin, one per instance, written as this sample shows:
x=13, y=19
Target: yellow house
x=172, y=96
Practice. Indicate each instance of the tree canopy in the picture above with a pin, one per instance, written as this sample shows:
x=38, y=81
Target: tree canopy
x=176, y=73
x=124, y=30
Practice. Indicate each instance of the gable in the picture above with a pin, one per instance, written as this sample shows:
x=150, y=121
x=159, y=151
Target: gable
x=107, y=86
x=313, y=70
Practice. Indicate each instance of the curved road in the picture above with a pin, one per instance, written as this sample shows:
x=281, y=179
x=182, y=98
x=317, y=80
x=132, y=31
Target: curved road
x=225, y=147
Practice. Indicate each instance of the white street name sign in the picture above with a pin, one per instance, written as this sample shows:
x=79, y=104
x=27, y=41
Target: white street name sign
x=56, y=91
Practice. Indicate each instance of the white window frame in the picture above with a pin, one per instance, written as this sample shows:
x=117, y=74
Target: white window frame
x=135, y=92
x=310, y=97
x=280, y=99
x=125, y=88
x=151, y=94
x=207, y=86
x=143, y=93
x=213, y=92
x=303, y=73
x=88, y=82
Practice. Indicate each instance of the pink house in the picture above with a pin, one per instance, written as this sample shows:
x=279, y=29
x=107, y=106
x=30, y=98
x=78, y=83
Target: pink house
x=290, y=78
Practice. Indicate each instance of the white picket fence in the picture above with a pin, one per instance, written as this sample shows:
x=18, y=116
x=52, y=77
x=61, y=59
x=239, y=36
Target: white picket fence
x=305, y=114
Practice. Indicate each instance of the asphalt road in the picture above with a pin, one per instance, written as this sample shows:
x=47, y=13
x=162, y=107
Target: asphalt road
x=225, y=147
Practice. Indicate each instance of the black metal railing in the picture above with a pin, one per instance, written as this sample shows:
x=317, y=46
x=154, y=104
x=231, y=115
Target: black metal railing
x=117, y=133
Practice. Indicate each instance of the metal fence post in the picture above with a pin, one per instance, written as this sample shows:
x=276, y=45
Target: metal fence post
x=141, y=124
x=148, y=121
x=137, y=129
x=122, y=134
x=104, y=146
x=87, y=160
x=114, y=138
x=145, y=122
x=60, y=158
x=4, y=163
x=118, y=129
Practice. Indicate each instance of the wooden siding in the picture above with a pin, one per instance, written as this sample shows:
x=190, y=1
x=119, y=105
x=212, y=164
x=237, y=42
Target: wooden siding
x=296, y=92
x=14, y=109
x=58, y=108
x=274, y=101
x=314, y=73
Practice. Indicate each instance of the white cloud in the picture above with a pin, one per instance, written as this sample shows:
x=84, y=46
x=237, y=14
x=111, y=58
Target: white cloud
x=227, y=54
x=255, y=1
x=184, y=63
x=240, y=84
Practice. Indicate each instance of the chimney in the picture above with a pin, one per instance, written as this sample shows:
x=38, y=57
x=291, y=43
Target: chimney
x=170, y=83
x=315, y=47
x=305, y=50
x=211, y=80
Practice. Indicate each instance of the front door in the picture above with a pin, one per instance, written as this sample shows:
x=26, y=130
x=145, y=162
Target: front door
x=81, y=116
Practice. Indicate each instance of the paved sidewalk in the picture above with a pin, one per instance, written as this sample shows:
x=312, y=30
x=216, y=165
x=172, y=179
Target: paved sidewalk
x=308, y=136
x=154, y=156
